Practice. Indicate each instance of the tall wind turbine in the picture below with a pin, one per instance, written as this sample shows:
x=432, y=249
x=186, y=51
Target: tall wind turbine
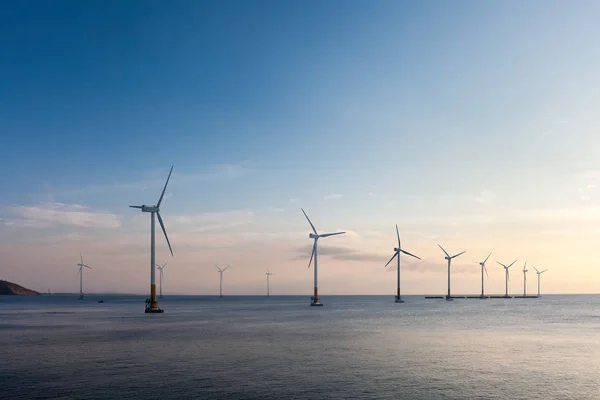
x=221, y=279
x=80, y=272
x=161, y=278
x=525, y=279
x=449, y=258
x=315, y=299
x=268, y=274
x=151, y=303
x=483, y=268
x=538, y=274
x=397, y=251
x=507, y=274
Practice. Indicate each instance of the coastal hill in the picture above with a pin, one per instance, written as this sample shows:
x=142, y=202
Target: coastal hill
x=9, y=288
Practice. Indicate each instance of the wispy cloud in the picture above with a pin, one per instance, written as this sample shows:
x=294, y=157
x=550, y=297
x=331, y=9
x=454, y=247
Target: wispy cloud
x=484, y=197
x=51, y=214
x=334, y=196
x=339, y=253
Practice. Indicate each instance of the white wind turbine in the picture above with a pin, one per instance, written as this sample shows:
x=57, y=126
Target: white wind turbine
x=449, y=258
x=397, y=251
x=538, y=274
x=315, y=299
x=151, y=303
x=268, y=274
x=507, y=274
x=161, y=278
x=525, y=279
x=221, y=279
x=80, y=273
x=483, y=268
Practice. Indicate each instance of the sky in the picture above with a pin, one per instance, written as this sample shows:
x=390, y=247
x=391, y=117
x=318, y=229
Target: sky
x=473, y=125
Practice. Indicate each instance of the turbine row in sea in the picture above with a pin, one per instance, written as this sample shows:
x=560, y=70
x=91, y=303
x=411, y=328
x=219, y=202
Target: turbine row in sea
x=152, y=304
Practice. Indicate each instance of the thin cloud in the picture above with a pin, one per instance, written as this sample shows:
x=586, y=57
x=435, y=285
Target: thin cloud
x=339, y=253
x=51, y=214
x=334, y=196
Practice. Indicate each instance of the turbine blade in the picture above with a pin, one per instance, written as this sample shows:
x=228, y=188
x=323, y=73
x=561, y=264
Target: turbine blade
x=80, y=255
x=312, y=254
x=543, y=271
x=218, y=268
x=501, y=264
x=458, y=254
x=536, y=270
x=485, y=269
x=87, y=266
x=165, y=188
x=311, y=224
x=398, y=234
x=332, y=234
x=164, y=265
x=224, y=269
x=158, y=266
x=487, y=258
x=408, y=254
x=512, y=263
x=394, y=256
x=140, y=207
x=445, y=252
x=525, y=266
x=163, y=229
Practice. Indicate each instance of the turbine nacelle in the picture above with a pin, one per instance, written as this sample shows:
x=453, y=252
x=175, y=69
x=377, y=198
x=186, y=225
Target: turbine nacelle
x=313, y=236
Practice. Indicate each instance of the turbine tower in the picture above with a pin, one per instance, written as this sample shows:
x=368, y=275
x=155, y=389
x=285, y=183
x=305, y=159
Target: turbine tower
x=397, y=251
x=268, y=274
x=161, y=278
x=483, y=268
x=151, y=303
x=525, y=279
x=80, y=273
x=449, y=258
x=507, y=274
x=315, y=298
x=538, y=274
x=221, y=279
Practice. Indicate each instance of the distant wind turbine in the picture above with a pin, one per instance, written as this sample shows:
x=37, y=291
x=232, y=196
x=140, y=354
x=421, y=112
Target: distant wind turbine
x=507, y=274
x=449, y=258
x=268, y=274
x=161, y=278
x=315, y=299
x=221, y=279
x=151, y=303
x=538, y=274
x=80, y=272
x=525, y=279
x=483, y=268
x=397, y=251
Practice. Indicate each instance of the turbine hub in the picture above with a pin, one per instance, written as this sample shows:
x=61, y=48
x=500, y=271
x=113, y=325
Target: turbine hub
x=396, y=249
x=146, y=208
x=313, y=236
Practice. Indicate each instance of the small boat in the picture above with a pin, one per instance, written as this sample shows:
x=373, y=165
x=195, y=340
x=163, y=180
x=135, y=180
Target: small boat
x=100, y=301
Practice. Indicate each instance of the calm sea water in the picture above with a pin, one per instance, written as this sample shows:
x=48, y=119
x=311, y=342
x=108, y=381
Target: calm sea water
x=355, y=347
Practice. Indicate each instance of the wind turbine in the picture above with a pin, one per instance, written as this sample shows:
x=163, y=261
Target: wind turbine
x=449, y=258
x=397, y=251
x=151, y=303
x=268, y=274
x=507, y=274
x=80, y=273
x=161, y=278
x=525, y=279
x=538, y=274
x=483, y=268
x=221, y=279
x=315, y=299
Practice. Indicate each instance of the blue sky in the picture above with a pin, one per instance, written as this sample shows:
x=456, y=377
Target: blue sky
x=433, y=115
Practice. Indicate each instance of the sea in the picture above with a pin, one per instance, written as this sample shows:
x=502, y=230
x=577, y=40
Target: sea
x=278, y=347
